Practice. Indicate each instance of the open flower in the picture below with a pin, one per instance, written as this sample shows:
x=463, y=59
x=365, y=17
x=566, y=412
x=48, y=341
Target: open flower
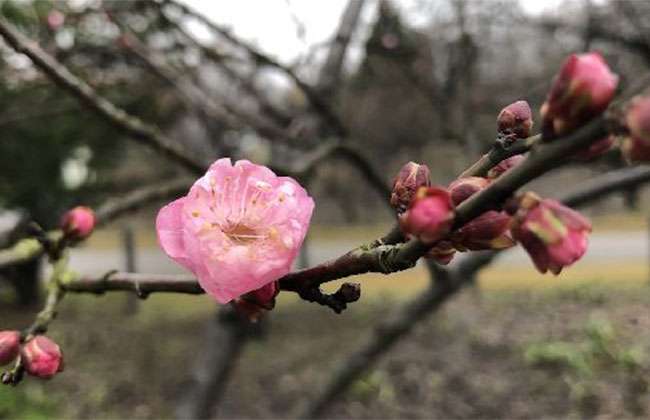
x=554, y=235
x=239, y=228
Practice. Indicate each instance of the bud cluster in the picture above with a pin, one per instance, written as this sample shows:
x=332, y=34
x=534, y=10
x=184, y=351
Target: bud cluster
x=40, y=356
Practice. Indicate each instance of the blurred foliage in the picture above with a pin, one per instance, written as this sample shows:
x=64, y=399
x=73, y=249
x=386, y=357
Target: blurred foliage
x=29, y=402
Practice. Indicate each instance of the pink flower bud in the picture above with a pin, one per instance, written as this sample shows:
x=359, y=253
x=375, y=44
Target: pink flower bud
x=635, y=150
x=595, y=149
x=442, y=252
x=516, y=119
x=78, y=223
x=411, y=177
x=430, y=215
x=55, y=19
x=581, y=90
x=42, y=357
x=9, y=346
x=554, y=235
x=504, y=166
x=463, y=188
x=637, y=118
x=254, y=304
x=488, y=231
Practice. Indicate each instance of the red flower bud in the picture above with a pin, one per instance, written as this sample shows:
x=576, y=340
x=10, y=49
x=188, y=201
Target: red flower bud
x=442, y=252
x=488, y=231
x=9, y=346
x=42, y=357
x=637, y=118
x=635, y=150
x=581, y=90
x=595, y=149
x=55, y=19
x=463, y=188
x=411, y=177
x=504, y=166
x=554, y=235
x=516, y=119
x=254, y=304
x=429, y=216
x=78, y=223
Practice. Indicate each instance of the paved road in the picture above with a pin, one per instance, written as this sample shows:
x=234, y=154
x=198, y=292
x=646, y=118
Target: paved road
x=614, y=248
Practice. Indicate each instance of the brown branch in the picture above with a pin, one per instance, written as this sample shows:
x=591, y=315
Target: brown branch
x=132, y=126
x=330, y=73
x=314, y=98
x=387, y=333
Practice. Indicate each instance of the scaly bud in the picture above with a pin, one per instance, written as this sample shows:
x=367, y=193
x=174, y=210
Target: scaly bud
x=463, y=188
x=78, y=223
x=411, y=177
x=637, y=118
x=488, y=231
x=504, y=166
x=554, y=235
x=430, y=214
x=635, y=149
x=9, y=346
x=254, y=304
x=515, y=120
x=595, y=149
x=581, y=90
x=442, y=252
x=42, y=357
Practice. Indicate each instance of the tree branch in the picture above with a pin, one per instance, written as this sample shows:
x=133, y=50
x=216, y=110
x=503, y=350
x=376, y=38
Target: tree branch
x=130, y=125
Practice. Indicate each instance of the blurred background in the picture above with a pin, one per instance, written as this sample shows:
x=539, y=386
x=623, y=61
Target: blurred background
x=271, y=81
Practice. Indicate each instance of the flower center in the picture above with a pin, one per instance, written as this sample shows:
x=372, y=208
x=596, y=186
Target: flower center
x=242, y=234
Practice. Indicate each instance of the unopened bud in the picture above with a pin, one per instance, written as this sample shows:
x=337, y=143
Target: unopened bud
x=442, y=252
x=78, y=223
x=411, y=177
x=55, y=19
x=595, y=149
x=430, y=214
x=463, y=188
x=488, y=231
x=516, y=120
x=504, y=166
x=42, y=357
x=254, y=304
x=581, y=90
x=9, y=346
x=637, y=118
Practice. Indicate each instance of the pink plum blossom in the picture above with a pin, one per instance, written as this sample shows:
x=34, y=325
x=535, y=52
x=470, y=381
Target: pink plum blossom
x=239, y=228
x=554, y=235
x=42, y=357
x=78, y=223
